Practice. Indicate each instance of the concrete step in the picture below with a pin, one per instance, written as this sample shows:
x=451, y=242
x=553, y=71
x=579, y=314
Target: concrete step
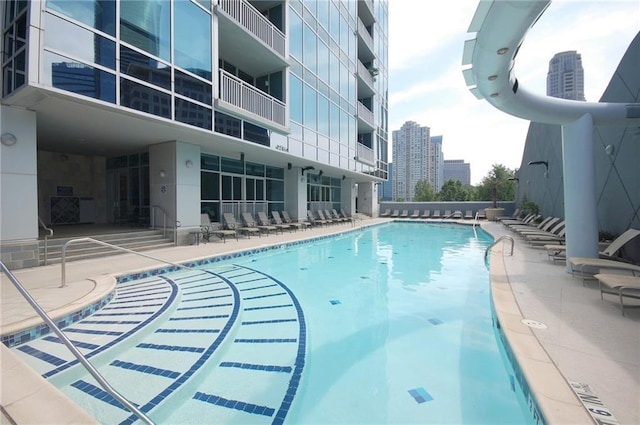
x=136, y=241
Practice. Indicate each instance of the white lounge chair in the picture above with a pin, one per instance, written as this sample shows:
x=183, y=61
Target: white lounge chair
x=558, y=252
x=622, y=286
x=587, y=265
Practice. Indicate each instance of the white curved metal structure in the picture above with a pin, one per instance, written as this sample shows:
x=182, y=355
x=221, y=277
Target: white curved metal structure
x=500, y=28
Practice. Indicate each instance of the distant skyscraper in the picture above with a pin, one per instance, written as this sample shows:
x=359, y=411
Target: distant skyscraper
x=410, y=159
x=436, y=163
x=565, y=78
x=457, y=169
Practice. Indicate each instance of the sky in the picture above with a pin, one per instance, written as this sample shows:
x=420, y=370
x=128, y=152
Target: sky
x=426, y=39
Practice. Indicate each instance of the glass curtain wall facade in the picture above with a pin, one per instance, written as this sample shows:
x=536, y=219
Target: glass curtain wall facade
x=306, y=80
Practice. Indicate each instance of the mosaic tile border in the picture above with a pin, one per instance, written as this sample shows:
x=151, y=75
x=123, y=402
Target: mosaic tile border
x=26, y=335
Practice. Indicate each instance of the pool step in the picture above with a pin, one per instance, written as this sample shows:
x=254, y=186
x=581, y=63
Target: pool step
x=160, y=335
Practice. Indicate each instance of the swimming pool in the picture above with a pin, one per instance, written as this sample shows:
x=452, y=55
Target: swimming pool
x=391, y=324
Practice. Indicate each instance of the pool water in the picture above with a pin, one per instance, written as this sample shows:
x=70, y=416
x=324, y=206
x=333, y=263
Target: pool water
x=391, y=324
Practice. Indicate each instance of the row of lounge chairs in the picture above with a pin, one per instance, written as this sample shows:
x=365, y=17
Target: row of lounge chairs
x=615, y=274
x=468, y=215
x=326, y=217
x=248, y=226
x=263, y=225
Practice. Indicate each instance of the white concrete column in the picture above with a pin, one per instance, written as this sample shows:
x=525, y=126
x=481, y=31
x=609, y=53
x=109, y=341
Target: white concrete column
x=580, y=212
x=348, y=196
x=295, y=193
x=367, y=198
x=18, y=175
x=174, y=182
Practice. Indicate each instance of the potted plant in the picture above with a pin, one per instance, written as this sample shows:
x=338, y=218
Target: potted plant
x=496, y=183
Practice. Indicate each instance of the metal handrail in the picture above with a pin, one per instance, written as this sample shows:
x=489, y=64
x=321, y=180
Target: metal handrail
x=46, y=238
x=507, y=237
x=164, y=223
x=475, y=220
x=81, y=358
x=72, y=241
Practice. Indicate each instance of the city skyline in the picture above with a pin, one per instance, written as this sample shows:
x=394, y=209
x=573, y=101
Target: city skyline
x=426, y=83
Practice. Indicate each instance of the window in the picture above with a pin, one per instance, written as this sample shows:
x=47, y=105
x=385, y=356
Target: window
x=146, y=25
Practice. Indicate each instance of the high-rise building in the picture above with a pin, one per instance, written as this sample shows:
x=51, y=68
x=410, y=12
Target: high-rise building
x=565, y=78
x=436, y=163
x=416, y=157
x=457, y=169
x=183, y=107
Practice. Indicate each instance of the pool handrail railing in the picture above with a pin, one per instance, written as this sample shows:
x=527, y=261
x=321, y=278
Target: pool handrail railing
x=81, y=358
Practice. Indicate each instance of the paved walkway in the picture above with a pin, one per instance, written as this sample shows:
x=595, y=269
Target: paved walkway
x=587, y=338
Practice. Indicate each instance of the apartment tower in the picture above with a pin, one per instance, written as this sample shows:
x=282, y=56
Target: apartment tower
x=411, y=153
x=565, y=78
x=159, y=111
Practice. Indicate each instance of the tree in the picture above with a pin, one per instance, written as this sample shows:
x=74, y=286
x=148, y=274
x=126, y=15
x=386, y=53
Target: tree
x=453, y=190
x=496, y=186
x=424, y=192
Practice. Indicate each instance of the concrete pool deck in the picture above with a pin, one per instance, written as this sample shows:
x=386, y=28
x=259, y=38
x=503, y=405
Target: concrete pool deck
x=586, y=339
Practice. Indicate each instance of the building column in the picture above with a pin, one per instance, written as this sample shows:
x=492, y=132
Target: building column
x=18, y=188
x=295, y=193
x=368, y=198
x=580, y=208
x=174, y=184
x=348, y=196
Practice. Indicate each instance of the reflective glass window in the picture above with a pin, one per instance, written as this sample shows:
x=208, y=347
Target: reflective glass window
x=323, y=115
x=144, y=98
x=145, y=68
x=309, y=48
x=334, y=20
x=209, y=186
x=323, y=61
x=146, y=25
x=192, y=114
x=230, y=165
x=295, y=98
x=334, y=114
x=275, y=173
x=334, y=78
x=295, y=36
x=323, y=13
x=254, y=169
x=227, y=124
x=344, y=127
x=256, y=134
x=192, y=47
x=310, y=108
x=275, y=190
x=76, y=41
x=75, y=77
x=210, y=162
x=99, y=14
x=189, y=86
x=344, y=35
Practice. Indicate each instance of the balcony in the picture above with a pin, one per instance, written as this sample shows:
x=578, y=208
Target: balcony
x=365, y=154
x=366, y=51
x=246, y=101
x=365, y=11
x=365, y=82
x=248, y=39
x=366, y=121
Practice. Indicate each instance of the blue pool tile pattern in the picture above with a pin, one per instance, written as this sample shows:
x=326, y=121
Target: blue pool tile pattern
x=435, y=321
x=335, y=302
x=420, y=395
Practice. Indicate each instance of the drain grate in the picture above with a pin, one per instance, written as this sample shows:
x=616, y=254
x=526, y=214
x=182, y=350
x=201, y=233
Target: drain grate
x=534, y=324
